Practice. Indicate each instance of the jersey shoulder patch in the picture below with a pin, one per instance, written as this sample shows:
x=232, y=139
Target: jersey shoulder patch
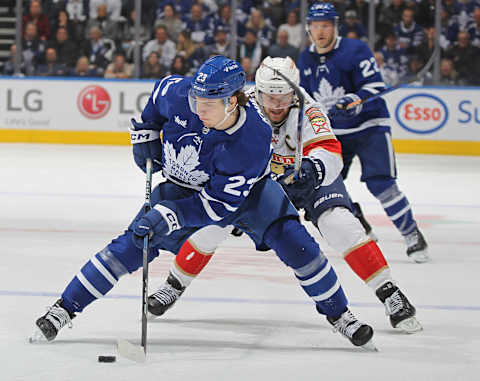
x=318, y=120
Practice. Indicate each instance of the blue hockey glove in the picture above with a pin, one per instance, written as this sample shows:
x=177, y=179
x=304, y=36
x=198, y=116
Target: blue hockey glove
x=339, y=111
x=160, y=221
x=145, y=137
x=301, y=190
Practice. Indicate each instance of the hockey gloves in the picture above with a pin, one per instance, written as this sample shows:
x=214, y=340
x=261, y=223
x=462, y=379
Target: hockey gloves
x=145, y=137
x=339, y=110
x=301, y=190
x=160, y=221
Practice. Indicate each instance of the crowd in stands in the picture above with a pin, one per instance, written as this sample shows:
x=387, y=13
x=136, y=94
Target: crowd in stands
x=96, y=38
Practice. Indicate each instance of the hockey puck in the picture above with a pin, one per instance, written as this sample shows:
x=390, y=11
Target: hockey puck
x=107, y=358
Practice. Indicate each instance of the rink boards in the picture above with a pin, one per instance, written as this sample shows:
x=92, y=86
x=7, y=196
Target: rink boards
x=434, y=120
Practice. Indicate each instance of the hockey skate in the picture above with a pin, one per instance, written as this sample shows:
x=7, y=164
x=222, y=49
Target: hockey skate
x=53, y=321
x=358, y=333
x=417, y=247
x=357, y=212
x=398, y=308
x=165, y=297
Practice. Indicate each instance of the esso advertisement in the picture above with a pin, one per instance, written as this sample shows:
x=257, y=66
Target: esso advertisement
x=433, y=113
x=421, y=113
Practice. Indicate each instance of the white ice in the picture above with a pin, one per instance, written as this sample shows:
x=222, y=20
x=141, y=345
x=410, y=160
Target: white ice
x=245, y=317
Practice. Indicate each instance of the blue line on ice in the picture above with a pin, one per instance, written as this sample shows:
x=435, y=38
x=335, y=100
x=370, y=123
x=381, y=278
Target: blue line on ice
x=247, y=301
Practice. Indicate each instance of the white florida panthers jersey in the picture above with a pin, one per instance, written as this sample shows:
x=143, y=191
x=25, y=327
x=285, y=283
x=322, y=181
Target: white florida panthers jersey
x=319, y=141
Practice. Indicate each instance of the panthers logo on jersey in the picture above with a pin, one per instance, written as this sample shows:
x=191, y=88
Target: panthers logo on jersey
x=318, y=120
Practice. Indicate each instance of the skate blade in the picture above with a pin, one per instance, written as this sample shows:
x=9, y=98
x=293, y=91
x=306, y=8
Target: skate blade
x=37, y=337
x=370, y=346
x=410, y=325
x=420, y=256
x=130, y=351
x=152, y=317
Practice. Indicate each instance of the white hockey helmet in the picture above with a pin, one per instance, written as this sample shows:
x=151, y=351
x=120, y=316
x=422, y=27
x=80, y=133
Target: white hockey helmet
x=268, y=82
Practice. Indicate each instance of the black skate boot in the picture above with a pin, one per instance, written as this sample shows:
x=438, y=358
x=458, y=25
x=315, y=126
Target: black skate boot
x=417, y=247
x=53, y=321
x=398, y=308
x=357, y=212
x=358, y=333
x=165, y=297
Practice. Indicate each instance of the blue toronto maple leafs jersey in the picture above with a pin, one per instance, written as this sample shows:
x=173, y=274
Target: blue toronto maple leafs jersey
x=221, y=165
x=348, y=68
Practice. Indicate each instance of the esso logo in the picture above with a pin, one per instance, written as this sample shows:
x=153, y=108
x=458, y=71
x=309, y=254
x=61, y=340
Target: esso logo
x=94, y=102
x=421, y=113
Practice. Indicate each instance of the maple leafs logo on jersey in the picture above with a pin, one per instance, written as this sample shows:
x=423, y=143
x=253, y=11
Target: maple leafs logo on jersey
x=183, y=166
x=327, y=95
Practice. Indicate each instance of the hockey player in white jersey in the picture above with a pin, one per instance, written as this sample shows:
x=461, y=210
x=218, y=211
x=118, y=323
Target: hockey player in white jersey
x=320, y=191
x=337, y=72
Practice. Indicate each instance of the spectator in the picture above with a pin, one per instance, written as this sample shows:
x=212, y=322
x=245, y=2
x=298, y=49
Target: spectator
x=221, y=45
x=389, y=74
x=66, y=49
x=224, y=22
x=119, y=68
x=282, y=48
x=262, y=27
x=425, y=14
x=426, y=48
x=352, y=24
x=113, y=9
x=161, y=44
x=185, y=46
x=182, y=7
x=128, y=35
x=465, y=59
x=99, y=50
x=361, y=9
x=62, y=21
x=409, y=33
x=110, y=28
x=152, y=67
x=200, y=26
x=179, y=66
x=251, y=48
x=77, y=16
x=9, y=67
x=246, y=63
x=36, y=16
x=294, y=30
x=474, y=28
x=77, y=10
x=148, y=13
x=51, y=68
x=394, y=56
x=391, y=16
x=171, y=22
x=450, y=29
x=33, y=48
x=83, y=68
x=415, y=64
x=448, y=75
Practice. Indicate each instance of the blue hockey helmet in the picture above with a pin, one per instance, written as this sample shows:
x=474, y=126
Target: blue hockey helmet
x=322, y=12
x=218, y=77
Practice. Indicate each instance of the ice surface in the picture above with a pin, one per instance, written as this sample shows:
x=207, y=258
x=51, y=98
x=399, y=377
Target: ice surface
x=245, y=317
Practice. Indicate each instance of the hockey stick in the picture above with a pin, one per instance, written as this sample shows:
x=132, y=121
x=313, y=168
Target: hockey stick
x=415, y=78
x=125, y=348
x=301, y=103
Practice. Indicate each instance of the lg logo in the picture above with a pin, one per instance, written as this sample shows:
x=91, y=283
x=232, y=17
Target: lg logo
x=94, y=102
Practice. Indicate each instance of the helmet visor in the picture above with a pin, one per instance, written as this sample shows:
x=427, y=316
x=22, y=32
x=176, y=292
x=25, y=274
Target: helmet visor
x=197, y=103
x=276, y=101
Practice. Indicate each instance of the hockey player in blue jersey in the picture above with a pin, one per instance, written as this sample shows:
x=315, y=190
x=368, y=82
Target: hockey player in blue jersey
x=215, y=156
x=338, y=71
